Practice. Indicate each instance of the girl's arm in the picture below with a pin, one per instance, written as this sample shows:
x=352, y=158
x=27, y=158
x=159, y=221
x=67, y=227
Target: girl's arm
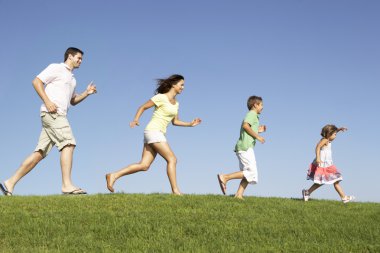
x=248, y=129
x=318, y=148
x=140, y=111
x=177, y=122
x=343, y=129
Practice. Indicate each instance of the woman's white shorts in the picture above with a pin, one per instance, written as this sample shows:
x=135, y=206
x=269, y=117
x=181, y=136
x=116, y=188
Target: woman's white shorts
x=154, y=136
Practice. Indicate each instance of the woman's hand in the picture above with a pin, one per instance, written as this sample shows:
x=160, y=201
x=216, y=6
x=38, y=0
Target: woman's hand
x=134, y=123
x=195, y=122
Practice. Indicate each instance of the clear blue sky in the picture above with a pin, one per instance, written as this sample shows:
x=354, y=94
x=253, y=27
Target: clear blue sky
x=313, y=62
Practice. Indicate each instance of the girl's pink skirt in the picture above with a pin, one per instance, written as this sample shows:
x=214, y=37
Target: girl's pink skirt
x=326, y=175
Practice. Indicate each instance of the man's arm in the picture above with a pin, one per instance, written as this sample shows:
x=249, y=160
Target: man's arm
x=39, y=87
x=91, y=89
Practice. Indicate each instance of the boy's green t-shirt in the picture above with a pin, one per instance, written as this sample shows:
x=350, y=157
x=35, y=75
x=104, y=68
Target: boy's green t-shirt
x=245, y=140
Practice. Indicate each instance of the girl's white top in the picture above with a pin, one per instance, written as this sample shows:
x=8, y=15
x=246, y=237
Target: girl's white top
x=326, y=155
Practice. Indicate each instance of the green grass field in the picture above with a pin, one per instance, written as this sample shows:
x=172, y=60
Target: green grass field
x=192, y=223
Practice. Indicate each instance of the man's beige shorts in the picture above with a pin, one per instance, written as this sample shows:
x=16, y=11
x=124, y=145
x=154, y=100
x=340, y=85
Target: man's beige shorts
x=56, y=131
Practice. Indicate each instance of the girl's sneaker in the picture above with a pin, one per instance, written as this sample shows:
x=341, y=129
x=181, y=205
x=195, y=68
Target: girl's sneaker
x=348, y=199
x=305, y=195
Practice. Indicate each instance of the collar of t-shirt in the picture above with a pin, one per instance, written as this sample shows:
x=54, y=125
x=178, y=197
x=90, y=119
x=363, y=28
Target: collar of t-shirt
x=67, y=66
x=255, y=113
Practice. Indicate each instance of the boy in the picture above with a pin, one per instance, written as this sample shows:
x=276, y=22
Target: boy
x=249, y=133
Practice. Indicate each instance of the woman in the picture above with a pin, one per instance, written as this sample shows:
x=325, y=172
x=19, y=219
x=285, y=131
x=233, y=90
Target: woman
x=166, y=110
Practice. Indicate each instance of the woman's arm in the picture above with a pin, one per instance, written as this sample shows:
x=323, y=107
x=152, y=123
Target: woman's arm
x=140, y=111
x=177, y=122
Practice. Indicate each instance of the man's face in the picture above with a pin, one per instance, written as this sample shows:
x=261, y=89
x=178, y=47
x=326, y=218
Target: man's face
x=76, y=59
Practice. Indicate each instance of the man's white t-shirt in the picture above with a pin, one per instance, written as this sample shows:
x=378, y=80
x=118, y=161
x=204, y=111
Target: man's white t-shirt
x=59, y=86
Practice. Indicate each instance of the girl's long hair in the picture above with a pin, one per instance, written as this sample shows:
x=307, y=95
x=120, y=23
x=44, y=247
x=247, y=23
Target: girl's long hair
x=164, y=85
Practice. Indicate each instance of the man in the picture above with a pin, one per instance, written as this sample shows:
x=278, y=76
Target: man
x=58, y=94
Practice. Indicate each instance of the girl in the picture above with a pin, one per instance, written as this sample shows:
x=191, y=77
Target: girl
x=322, y=170
x=166, y=110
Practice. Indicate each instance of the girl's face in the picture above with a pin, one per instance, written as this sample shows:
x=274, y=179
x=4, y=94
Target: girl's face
x=178, y=87
x=332, y=137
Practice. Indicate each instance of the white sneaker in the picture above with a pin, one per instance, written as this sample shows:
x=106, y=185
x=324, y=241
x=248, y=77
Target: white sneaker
x=348, y=199
x=305, y=195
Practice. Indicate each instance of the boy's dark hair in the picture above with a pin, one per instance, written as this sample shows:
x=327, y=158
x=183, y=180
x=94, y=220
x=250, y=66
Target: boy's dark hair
x=328, y=130
x=73, y=51
x=164, y=85
x=253, y=100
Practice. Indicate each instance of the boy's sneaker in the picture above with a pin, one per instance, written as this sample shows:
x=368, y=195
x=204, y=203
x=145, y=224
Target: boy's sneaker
x=348, y=199
x=305, y=195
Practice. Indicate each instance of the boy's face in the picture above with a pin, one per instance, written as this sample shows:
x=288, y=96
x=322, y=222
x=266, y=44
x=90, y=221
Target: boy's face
x=259, y=107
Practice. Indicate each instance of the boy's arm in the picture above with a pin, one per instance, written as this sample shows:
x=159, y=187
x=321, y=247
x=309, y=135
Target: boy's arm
x=248, y=129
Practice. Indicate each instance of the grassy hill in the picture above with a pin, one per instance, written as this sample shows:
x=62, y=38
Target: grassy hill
x=192, y=223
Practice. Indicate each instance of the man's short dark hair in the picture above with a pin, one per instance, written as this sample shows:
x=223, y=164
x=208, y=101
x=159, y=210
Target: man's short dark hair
x=73, y=51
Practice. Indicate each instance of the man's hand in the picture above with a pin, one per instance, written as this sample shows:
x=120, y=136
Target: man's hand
x=51, y=107
x=91, y=89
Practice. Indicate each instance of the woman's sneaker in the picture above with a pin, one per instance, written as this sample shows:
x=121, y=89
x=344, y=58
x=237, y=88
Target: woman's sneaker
x=348, y=199
x=305, y=195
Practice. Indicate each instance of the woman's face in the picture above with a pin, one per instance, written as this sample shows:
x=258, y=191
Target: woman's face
x=178, y=87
